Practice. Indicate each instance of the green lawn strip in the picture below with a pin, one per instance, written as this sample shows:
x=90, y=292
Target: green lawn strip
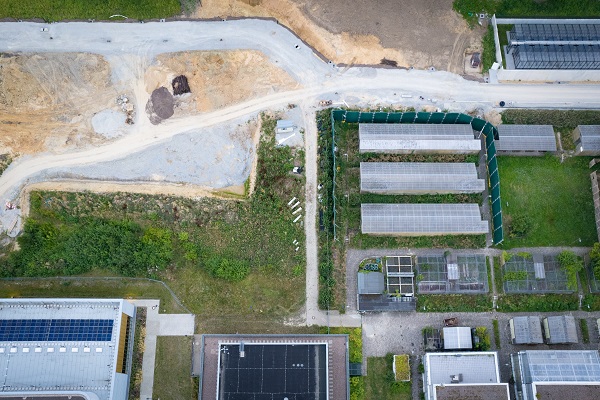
x=552, y=201
x=95, y=287
x=354, y=338
x=362, y=241
x=173, y=368
x=497, y=340
x=470, y=9
x=80, y=9
x=538, y=302
x=380, y=383
x=499, y=282
x=585, y=333
x=453, y=303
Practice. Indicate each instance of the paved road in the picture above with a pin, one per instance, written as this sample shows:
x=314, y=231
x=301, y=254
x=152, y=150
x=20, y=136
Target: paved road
x=159, y=325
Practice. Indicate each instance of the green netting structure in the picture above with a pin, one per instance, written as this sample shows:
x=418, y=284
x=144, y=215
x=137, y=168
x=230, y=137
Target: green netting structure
x=484, y=128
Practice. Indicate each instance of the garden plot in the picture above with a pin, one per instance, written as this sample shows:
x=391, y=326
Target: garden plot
x=452, y=274
x=534, y=274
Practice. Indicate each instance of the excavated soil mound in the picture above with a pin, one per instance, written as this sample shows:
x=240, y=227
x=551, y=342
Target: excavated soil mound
x=160, y=105
x=180, y=85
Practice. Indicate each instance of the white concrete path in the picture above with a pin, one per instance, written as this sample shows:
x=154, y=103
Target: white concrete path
x=159, y=325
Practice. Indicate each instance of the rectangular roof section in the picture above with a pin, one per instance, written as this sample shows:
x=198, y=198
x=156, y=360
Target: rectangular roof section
x=560, y=365
x=425, y=138
x=560, y=329
x=419, y=178
x=526, y=138
x=526, y=330
x=370, y=283
x=422, y=219
x=457, y=338
x=590, y=137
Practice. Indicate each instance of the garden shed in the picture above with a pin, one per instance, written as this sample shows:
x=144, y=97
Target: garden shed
x=526, y=330
x=587, y=140
x=560, y=329
x=457, y=338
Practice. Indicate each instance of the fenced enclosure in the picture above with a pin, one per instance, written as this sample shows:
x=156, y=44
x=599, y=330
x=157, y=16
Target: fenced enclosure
x=537, y=274
x=452, y=274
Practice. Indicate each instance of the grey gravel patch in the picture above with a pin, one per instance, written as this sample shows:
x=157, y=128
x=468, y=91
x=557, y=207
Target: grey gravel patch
x=216, y=157
x=109, y=123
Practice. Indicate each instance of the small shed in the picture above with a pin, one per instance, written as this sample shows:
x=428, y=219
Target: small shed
x=587, y=140
x=526, y=330
x=526, y=138
x=560, y=329
x=457, y=338
x=370, y=283
x=284, y=126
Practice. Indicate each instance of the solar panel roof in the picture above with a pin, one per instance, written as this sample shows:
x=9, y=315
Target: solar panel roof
x=422, y=219
x=406, y=177
x=526, y=138
x=35, y=330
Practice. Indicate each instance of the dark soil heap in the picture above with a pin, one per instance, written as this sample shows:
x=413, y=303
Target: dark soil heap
x=160, y=105
x=180, y=85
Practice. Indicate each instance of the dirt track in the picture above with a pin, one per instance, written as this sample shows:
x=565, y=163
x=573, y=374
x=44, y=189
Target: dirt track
x=418, y=33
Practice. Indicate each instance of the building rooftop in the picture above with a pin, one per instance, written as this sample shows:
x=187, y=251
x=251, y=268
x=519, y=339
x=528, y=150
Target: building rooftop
x=566, y=391
x=370, y=283
x=60, y=345
x=476, y=367
x=409, y=177
x=422, y=219
x=457, y=338
x=590, y=137
x=526, y=330
x=560, y=329
x=526, y=138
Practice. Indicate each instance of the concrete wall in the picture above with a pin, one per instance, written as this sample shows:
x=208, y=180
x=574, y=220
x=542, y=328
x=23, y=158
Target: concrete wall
x=548, y=75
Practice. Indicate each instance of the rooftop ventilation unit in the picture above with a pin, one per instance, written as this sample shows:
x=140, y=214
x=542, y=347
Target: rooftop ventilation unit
x=456, y=378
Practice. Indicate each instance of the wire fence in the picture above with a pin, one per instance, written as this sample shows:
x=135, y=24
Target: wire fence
x=481, y=126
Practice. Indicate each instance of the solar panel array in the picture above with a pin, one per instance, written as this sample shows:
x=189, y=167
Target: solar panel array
x=590, y=137
x=422, y=219
x=563, y=365
x=555, y=46
x=412, y=178
x=426, y=137
x=526, y=138
x=64, y=330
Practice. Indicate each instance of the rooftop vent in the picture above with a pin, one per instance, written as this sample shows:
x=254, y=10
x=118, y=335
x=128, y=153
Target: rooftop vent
x=456, y=378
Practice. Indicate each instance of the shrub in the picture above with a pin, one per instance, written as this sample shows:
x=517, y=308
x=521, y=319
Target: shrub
x=496, y=334
x=230, y=270
x=595, y=258
x=484, y=339
x=519, y=226
x=572, y=265
x=515, y=275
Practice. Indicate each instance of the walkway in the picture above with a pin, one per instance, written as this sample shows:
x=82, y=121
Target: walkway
x=159, y=325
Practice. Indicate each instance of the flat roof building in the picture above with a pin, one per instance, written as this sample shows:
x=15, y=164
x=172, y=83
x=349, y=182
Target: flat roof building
x=473, y=376
x=526, y=138
x=69, y=348
x=419, y=178
x=556, y=374
x=370, y=283
x=418, y=138
x=526, y=330
x=269, y=367
x=560, y=329
x=422, y=219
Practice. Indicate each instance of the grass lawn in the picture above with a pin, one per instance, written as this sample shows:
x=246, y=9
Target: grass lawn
x=173, y=367
x=554, y=199
x=51, y=10
x=380, y=383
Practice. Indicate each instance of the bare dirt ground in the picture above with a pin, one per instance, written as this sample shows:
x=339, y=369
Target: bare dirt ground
x=218, y=79
x=417, y=33
x=47, y=100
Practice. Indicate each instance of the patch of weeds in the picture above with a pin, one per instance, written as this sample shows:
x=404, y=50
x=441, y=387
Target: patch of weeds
x=497, y=338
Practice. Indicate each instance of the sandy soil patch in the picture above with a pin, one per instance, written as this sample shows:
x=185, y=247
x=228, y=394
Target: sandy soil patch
x=217, y=79
x=47, y=100
x=418, y=33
